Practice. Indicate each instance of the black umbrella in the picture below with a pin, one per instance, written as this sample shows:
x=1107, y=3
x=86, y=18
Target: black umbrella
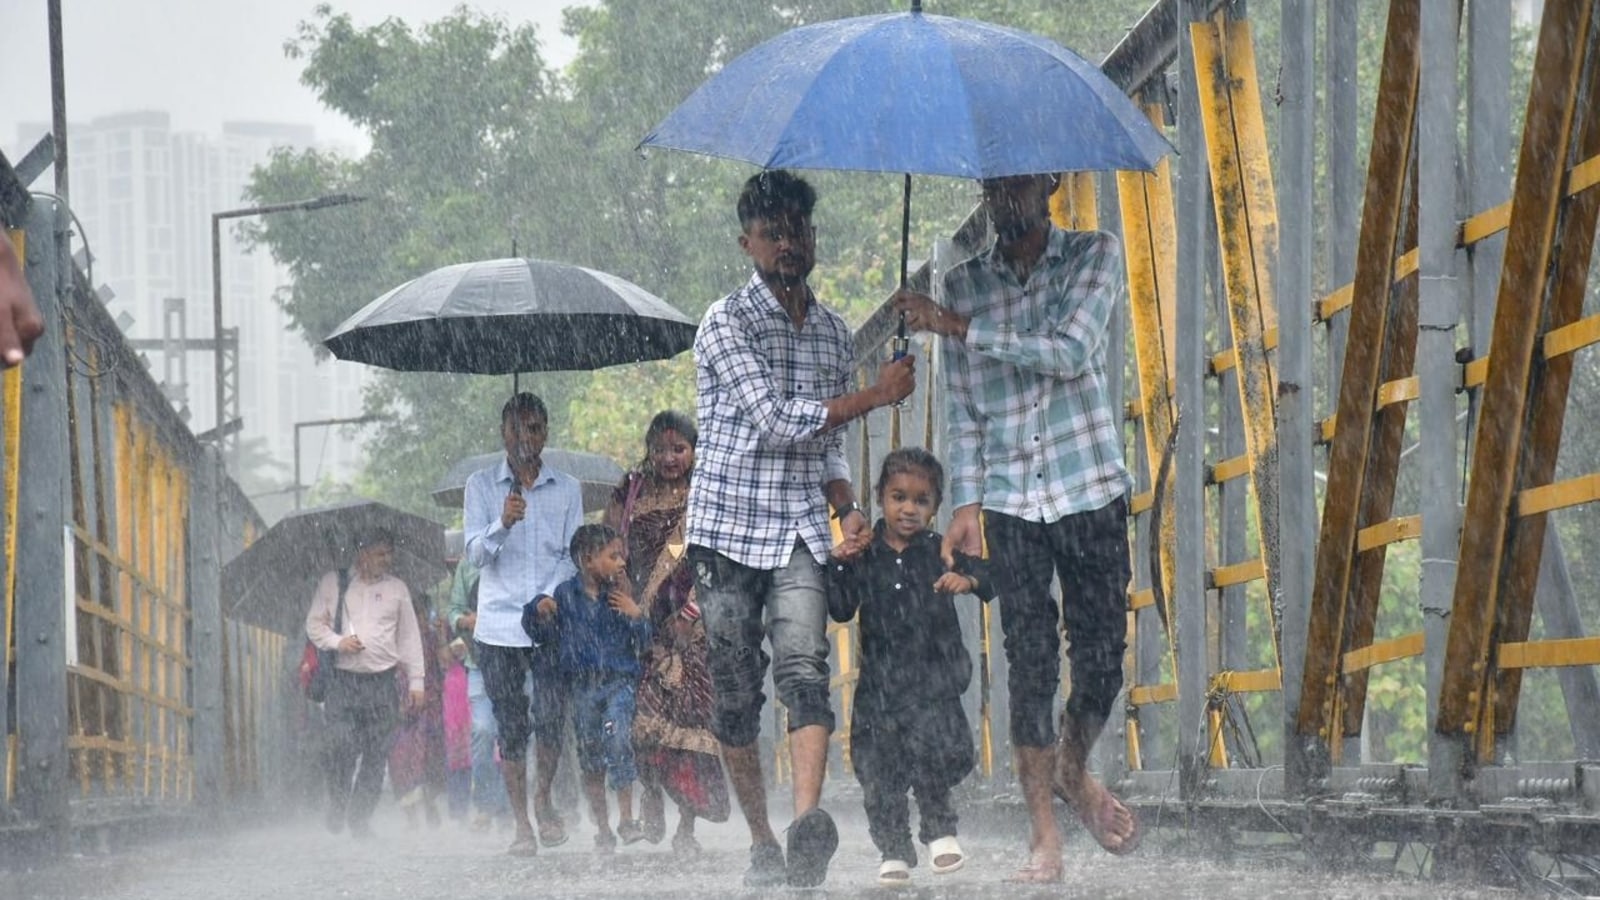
x=504, y=316
x=597, y=475
x=270, y=584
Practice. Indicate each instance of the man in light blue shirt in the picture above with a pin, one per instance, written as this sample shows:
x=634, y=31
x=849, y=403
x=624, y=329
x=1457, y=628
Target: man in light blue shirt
x=518, y=521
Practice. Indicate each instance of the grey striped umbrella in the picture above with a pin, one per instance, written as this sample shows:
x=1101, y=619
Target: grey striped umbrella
x=504, y=316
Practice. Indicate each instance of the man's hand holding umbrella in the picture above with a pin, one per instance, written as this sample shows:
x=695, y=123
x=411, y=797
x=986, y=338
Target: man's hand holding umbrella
x=921, y=313
x=514, y=510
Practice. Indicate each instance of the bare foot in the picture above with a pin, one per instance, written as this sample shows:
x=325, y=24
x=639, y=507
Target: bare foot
x=1039, y=870
x=1114, y=826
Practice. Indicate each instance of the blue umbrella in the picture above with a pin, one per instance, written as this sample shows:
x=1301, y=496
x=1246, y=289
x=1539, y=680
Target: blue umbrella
x=918, y=94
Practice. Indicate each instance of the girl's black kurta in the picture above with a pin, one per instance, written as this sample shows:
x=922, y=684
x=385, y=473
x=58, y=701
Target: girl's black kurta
x=911, y=646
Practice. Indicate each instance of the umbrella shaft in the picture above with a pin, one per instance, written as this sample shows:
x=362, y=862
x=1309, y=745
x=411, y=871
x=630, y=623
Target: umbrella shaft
x=905, y=229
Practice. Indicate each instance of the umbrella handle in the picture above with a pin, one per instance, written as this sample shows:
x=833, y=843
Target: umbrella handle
x=901, y=345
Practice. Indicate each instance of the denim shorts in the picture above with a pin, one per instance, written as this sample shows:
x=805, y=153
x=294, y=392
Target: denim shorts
x=741, y=607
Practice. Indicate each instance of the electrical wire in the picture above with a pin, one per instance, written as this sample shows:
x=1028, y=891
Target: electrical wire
x=79, y=364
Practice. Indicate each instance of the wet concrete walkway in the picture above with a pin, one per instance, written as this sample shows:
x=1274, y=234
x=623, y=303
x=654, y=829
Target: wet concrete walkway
x=301, y=861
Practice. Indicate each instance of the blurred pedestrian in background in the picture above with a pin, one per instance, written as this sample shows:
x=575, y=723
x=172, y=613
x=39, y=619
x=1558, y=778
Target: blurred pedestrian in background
x=376, y=634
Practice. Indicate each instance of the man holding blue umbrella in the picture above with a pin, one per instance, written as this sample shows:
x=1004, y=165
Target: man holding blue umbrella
x=773, y=369
x=1036, y=463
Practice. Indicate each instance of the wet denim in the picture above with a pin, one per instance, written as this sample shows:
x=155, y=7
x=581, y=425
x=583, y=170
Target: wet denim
x=488, y=787
x=602, y=718
x=741, y=607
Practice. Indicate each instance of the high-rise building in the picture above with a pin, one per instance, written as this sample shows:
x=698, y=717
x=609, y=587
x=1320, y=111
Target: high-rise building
x=144, y=195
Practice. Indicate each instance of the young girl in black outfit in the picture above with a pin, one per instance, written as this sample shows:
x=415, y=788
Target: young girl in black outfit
x=908, y=731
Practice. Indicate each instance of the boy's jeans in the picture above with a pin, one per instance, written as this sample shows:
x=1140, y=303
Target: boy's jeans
x=488, y=786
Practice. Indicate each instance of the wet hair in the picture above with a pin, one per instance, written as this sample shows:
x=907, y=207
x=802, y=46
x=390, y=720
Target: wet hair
x=914, y=461
x=663, y=422
x=523, y=403
x=373, y=536
x=589, y=540
x=671, y=420
x=775, y=194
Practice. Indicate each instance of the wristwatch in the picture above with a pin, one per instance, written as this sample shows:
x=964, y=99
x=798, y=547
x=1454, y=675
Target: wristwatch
x=846, y=510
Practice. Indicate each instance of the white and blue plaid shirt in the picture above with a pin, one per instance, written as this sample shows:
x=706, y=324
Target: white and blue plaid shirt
x=1031, y=432
x=762, y=457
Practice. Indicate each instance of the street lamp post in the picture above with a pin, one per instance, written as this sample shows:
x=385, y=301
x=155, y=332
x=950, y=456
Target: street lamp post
x=352, y=420
x=223, y=432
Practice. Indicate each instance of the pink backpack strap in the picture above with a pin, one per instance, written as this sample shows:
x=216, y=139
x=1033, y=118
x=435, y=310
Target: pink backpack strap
x=635, y=484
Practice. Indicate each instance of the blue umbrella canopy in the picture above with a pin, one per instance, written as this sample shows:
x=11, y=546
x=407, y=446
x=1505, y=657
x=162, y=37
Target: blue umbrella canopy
x=504, y=316
x=917, y=94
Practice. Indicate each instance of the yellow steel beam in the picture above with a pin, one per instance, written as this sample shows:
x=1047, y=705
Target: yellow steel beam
x=1072, y=205
x=1223, y=360
x=1584, y=651
x=1135, y=751
x=1217, y=746
x=1377, y=502
x=1141, y=599
x=1326, y=429
x=1475, y=228
x=1390, y=531
x=1567, y=338
x=162, y=465
x=129, y=582
x=1556, y=342
x=1560, y=495
x=1149, y=694
x=1237, y=573
x=1401, y=390
x=1254, y=681
x=1229, y=469
x=1583, y=176
x=1335, y=621
x=1523, y=402
x=1363, y=658
x=1334, y=303
x=11, y=403
x=1149, y=236
x=1141, y=502
x=985, y=689
x=1494, y=220
x=1491, y=221
x=1247, y=225
x=1338, y=301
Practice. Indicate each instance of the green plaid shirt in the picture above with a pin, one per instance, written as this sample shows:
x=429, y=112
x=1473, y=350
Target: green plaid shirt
x=1031, y=432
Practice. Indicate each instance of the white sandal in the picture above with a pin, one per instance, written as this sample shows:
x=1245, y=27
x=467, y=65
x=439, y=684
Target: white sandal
x=943, y=847
x=894, y=873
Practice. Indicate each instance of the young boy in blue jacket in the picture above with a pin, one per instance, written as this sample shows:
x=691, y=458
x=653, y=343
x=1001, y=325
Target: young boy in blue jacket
x=601, y=630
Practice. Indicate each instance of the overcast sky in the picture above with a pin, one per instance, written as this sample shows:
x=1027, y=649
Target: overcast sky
x=202, y=61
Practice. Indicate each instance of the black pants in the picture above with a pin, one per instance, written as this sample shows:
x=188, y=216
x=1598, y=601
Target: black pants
x=527, y=694
x=361, y=712
x=924, y=748
x=1089, y=552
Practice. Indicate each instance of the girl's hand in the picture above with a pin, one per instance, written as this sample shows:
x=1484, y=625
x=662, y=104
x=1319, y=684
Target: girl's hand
x=622, y=602
x=546, y=607
x=955, y=583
